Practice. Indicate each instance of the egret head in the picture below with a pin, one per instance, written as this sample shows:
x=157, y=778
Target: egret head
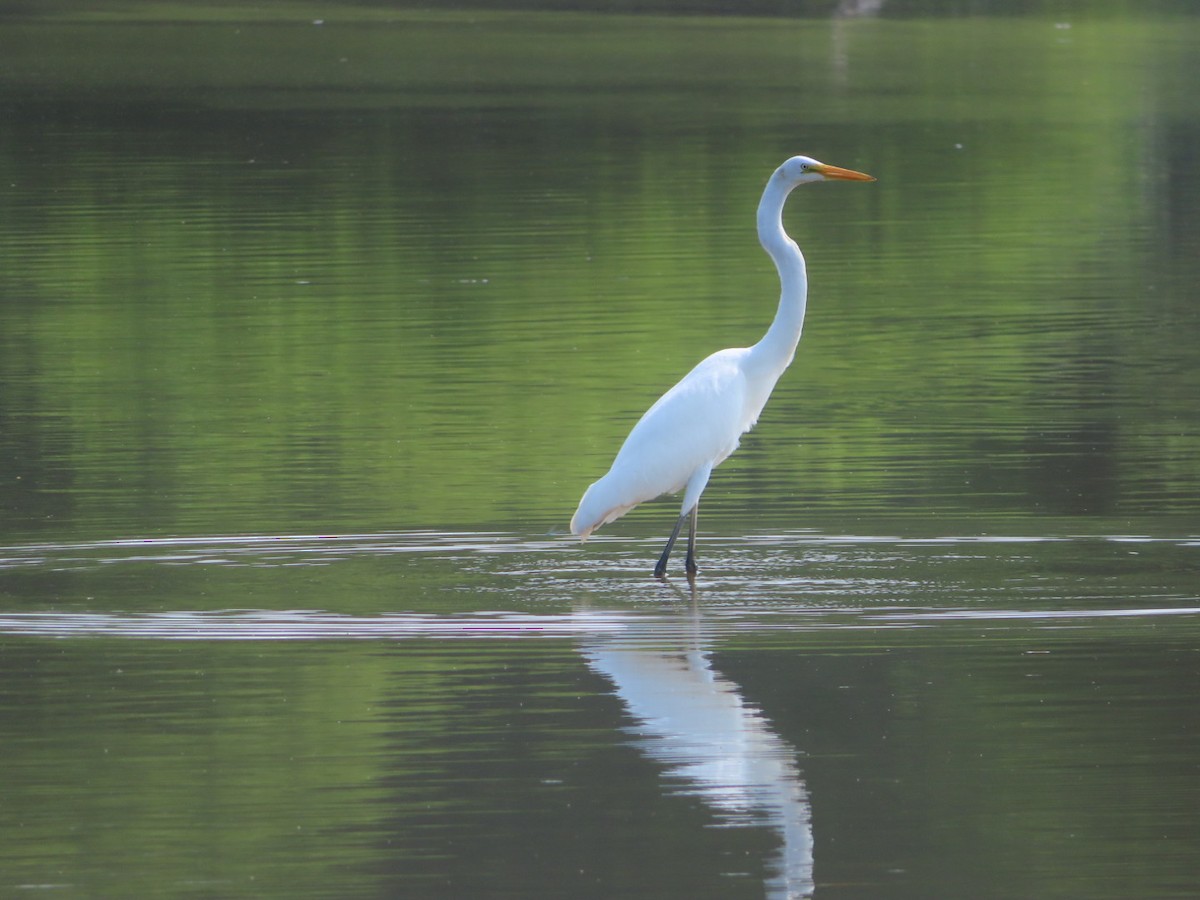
x=802, y=169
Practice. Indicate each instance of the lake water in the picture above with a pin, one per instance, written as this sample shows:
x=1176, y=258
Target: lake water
x=316, y=322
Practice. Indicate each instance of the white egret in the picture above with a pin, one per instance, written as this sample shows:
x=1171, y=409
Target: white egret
x=696, y=424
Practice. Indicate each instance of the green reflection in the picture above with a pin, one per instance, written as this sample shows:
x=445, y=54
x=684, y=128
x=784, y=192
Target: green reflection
x=421, y=270
x=425, y=271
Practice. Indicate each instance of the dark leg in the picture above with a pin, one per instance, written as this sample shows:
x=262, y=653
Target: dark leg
x=690, y=565
x=661, y=569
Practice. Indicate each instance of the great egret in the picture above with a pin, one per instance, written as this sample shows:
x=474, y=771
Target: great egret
x=695, y=425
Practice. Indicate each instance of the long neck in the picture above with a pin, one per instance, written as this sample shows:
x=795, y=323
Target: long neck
x=774, y=352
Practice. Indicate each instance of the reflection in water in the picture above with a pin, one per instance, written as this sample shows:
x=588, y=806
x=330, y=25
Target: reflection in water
x=154, y=691
x=695, y=722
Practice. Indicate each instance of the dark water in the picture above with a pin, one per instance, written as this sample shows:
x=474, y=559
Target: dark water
x=313, y=328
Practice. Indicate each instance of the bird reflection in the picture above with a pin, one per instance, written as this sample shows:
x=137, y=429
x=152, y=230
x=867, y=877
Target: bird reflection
x=694, y=721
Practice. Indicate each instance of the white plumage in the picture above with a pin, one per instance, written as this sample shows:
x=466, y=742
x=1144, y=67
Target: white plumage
x=698, y=423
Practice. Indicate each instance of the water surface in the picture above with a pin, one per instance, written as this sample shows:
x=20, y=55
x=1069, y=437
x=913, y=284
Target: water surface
x=314, y=326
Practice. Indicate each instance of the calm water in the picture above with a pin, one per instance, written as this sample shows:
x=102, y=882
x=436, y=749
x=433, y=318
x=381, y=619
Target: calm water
x=315, y=325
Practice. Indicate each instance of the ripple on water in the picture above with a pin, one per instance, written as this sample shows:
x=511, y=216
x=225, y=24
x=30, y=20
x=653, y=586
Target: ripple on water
x=549, y=587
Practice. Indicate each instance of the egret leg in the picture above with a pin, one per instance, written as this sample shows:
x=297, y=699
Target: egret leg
x=690, y=565
x=661, y=569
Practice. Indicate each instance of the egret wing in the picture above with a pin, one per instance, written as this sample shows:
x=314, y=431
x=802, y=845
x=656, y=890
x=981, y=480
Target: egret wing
x=696, y=423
